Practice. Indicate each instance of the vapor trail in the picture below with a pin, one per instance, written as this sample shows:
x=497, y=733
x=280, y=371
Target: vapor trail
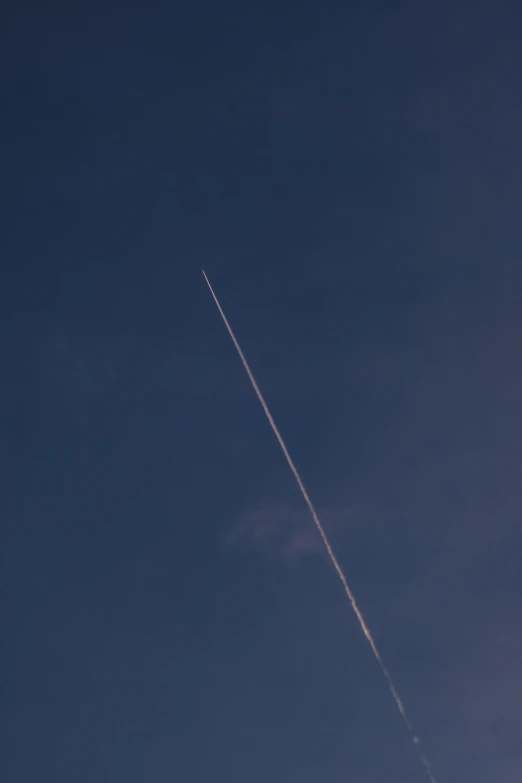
x=326, y=542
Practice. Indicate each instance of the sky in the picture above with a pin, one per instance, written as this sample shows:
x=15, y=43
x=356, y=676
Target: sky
x=348, y=175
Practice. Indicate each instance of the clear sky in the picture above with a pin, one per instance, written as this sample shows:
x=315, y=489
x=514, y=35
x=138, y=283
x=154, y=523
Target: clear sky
x=349, y=176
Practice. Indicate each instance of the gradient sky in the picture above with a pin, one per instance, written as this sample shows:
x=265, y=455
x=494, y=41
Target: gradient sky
x=349, y=176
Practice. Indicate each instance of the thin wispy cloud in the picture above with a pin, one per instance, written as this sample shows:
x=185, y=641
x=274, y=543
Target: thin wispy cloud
x=283, y=531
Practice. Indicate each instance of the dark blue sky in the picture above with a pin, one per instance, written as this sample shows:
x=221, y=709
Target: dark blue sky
x=349, y=178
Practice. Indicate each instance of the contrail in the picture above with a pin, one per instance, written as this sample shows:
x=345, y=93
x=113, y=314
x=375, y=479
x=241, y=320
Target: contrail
x=326, y=542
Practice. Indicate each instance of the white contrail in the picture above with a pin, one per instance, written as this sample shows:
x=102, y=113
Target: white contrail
x=329, y=549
